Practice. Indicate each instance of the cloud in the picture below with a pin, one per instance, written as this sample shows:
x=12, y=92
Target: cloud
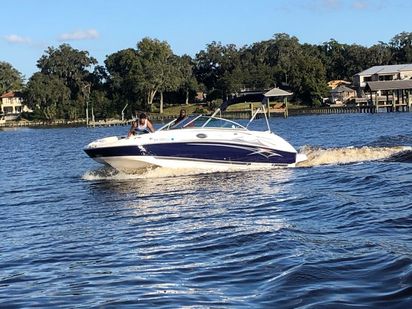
x=326, y=6
x=89, y=34
x=321, y=5
x=360, y=5
x=330, y=4
x=17, y=39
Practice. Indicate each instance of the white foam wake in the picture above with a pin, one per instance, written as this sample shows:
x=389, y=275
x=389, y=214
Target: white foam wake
x=108, y=173
x=347, y=155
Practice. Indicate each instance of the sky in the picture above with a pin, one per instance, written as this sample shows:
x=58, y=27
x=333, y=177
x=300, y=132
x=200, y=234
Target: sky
x=103, y=27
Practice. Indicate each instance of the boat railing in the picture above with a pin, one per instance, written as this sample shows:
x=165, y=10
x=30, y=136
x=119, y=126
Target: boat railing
x=167, y=125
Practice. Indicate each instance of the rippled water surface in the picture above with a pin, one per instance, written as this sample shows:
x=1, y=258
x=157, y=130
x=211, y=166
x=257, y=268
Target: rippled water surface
x=335, y=232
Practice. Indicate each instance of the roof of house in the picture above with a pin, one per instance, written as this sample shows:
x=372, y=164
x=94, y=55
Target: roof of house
x=10, y=94
x=342, y=88
x=389, y=85
x=337, y=82
x=277, y=92
x=386, y=69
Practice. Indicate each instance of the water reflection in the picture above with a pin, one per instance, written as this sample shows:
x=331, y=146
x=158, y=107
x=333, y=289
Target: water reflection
x=179, y=184
x=187, y=204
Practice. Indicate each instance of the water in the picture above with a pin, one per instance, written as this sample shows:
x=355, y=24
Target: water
x=335, y=232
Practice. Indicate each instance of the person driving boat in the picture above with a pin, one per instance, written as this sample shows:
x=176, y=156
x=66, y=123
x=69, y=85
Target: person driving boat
x=182, y=116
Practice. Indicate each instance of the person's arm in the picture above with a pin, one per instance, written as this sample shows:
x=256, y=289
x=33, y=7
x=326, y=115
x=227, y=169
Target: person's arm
x=150, y=126
x=131, y=131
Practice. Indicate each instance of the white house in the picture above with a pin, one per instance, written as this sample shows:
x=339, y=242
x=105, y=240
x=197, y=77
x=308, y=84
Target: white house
x=12, y=105
x=382, y=73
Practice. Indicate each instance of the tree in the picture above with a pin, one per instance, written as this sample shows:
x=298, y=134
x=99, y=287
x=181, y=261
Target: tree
x=257, y=73
x=171, y=78
x=155, y=59
x=379, y=54
x=232, y=80
x=188, y=79
x=356, y=59
x=10, y=78
x=208, y=69
x=124, y=77
x=66, y=62
x=48, y=95
x=307, y=79
x=334, y=60
x=64, y=73
x=282, y=53
x=401, y=45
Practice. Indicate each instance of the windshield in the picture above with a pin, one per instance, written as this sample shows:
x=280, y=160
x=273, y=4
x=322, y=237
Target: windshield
x=212, y=122
x=199, y=121
x=181, y=124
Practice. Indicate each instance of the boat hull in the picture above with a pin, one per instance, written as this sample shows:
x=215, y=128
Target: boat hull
x=132, y=164
x=195, y=149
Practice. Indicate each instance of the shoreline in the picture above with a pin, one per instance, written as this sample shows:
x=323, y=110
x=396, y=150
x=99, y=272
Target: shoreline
x=240, y=114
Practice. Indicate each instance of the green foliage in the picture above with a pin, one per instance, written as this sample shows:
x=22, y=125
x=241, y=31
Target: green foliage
x=64, y=83
x=137, y=75
x=401, y=46
x=48, y=95
x=124, y=75
x=156, y=67
x=188, y=79
x=10, y=78
x=69, y=79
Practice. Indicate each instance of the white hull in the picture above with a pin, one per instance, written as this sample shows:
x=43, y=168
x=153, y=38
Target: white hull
x=132, y=164
x=198, y=148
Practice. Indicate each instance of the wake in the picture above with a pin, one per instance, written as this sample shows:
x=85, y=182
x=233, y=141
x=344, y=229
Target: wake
x=109, y=173
x=349, y=155
x=316, y=157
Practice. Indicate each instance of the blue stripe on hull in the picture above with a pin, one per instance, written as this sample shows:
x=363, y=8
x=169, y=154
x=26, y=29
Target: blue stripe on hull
x=201, y=151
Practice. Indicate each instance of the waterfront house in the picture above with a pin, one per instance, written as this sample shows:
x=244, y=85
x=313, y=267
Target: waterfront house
x=12, y=105
x=341, y=95
x=382, y=73
x=385, y=86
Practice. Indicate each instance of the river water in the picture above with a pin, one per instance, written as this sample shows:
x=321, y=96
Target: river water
x=335, y=232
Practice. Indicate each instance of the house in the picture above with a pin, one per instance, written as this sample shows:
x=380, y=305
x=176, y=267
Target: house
x=12, y=105
x=384, y=86
x=381, y=73
x=341, y=95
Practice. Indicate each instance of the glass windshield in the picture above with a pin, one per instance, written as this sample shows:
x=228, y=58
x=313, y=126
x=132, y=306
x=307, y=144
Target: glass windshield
x=183, y=122
x=209, y=122
x=198, y=121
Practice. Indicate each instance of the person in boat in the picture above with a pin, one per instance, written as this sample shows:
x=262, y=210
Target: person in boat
x=182, y=116
x=142, y=125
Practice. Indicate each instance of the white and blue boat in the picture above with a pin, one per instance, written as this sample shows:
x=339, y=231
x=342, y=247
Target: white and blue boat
x=197, y=142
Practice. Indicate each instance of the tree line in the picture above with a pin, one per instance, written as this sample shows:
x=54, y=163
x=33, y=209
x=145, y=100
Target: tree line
x=150, y=75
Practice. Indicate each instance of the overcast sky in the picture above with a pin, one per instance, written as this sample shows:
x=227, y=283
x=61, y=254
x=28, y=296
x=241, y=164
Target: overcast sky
x=102, y=27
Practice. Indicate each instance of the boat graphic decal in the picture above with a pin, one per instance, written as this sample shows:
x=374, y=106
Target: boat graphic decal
x=142, y=149
x=264, y=152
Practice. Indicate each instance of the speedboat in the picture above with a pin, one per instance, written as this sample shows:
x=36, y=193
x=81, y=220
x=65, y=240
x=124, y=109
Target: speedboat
x=197, y=142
